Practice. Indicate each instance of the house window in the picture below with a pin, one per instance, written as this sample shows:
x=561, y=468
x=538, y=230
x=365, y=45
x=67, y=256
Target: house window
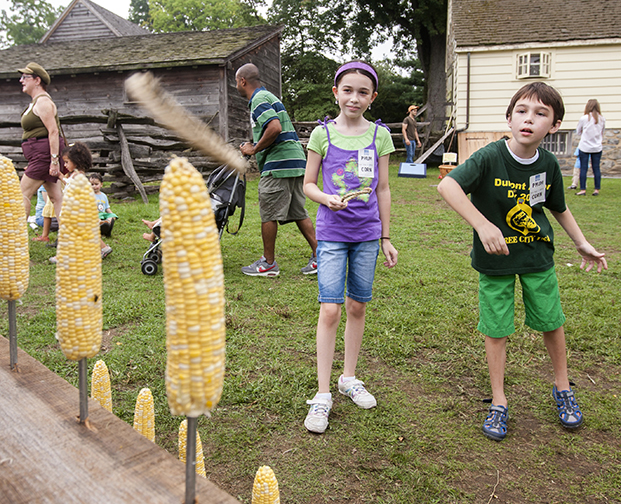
x=556, y=143
x=533, y=65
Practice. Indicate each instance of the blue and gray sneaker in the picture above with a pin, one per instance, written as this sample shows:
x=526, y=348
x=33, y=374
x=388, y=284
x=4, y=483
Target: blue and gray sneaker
x=261, y=268
x=568, y=410
x=495, y=425
x=311, y=267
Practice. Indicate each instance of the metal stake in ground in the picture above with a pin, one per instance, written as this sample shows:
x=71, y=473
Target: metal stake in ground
x=82, y=372
x=190, y=461
x=12, y=335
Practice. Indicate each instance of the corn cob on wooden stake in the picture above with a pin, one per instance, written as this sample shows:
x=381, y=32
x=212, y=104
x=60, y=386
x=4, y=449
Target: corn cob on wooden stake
x=144, y=414
x=78, y=280
x=100, y=385
x=199, y=456
x=265, y=488
x=14, y=257
x=194, y=285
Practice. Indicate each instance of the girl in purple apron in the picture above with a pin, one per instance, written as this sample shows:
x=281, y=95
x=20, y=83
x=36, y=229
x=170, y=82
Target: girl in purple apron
x=353, y=223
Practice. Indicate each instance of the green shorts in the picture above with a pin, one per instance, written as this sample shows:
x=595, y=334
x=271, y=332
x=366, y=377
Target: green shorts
x=542, y=303
x=282, y=199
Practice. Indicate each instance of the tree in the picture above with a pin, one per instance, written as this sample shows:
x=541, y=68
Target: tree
x=26, y=22
x=139, y=13
x=396, y=93
x=316, y=34
x=199, y=15
x=416, y=24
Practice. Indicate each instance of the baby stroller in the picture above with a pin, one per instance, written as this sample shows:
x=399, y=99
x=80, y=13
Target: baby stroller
x=153, y=256
x=227, y=191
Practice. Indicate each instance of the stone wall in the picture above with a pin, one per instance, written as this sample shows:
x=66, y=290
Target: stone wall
x=611, y=155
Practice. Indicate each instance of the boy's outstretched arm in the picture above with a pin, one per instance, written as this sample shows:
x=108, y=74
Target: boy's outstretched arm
x=589, y=255
x=491, y=237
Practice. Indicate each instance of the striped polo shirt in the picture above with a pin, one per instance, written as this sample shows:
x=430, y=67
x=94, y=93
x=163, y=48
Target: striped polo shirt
x=285, y=157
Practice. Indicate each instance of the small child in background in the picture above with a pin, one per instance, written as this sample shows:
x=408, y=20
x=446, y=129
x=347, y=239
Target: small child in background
x=155, y=227
x=49, y=223
x=576, y=177
x=78, y=159
x=106, y=216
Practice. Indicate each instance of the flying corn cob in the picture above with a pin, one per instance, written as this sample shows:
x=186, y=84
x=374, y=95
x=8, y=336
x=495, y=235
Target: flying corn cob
x=144, y=415
x=78, y=273
x=265, y=488
x=14, y=258
x=200, y=459
x=100, y=385
x=194, y=285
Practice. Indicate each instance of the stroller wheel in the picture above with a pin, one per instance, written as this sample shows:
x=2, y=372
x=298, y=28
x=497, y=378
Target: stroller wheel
x=149, y=267
x=156, y=256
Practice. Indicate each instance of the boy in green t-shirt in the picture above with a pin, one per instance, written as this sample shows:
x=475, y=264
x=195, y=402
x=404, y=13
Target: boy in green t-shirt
x=510, y=181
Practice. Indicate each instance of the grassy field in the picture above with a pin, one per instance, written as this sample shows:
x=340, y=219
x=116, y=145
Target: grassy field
x=422, y=357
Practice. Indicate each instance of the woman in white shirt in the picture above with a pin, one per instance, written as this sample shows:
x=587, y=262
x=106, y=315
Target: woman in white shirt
x=591, y=130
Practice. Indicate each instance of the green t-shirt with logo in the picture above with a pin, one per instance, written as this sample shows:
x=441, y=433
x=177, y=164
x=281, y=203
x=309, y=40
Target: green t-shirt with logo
x=502, y=189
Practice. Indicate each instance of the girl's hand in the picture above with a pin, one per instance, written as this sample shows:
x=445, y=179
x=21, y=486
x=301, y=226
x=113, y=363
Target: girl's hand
x=390, y=253
x=334, y=203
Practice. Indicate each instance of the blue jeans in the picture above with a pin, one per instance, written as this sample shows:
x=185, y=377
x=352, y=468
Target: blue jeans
x=584, y=168
x=337, y=260
x=410, y=150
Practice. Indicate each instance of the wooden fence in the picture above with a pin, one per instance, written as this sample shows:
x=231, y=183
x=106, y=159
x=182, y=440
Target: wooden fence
x=131, y=151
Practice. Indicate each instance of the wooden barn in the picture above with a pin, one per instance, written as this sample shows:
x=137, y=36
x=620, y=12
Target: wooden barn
x=197, y=68
x=84, y=19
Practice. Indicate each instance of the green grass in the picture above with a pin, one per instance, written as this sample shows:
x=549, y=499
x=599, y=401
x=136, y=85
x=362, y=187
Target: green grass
x=421, y=356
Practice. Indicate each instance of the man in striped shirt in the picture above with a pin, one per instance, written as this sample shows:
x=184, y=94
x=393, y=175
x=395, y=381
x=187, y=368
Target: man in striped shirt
x=282, y=162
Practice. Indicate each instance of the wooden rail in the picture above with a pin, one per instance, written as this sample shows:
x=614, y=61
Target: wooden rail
x=47, y=457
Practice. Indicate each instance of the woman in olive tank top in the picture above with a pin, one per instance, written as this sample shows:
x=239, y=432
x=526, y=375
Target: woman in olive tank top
x=41, y=142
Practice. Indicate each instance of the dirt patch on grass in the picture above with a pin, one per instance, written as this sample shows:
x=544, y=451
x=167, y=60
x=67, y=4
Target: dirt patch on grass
x=431, y=437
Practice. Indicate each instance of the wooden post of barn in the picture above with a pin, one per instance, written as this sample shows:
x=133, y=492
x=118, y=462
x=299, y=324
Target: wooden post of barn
x=128, y=165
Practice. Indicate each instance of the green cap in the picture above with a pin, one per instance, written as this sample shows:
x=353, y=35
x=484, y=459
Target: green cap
x=36, y=69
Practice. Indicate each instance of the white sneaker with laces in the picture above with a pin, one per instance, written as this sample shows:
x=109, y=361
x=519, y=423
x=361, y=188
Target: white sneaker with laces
x=356, y=391
x=317, y=418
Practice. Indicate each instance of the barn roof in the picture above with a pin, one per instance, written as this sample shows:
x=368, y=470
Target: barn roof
x=138, y=52
x=502, y=22
x=115, y=25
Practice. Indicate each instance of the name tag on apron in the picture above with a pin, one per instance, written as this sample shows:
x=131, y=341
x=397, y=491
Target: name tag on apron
x=537, y=188
x=366, y=163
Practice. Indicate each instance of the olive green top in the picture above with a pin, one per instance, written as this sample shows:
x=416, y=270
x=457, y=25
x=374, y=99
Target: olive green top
x=32, y=124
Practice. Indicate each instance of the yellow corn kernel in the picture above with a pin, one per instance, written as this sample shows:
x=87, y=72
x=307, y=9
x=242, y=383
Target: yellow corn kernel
x=100, y=385
x=78, y=273
x=14, y=257
x=265, y=488
x=200, y=458
x=144, y=414
x=194, y=286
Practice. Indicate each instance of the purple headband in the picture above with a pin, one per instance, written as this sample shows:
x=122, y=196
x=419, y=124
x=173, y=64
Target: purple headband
x=356, y=65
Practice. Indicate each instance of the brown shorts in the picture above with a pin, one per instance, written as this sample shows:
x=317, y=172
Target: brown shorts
x=37, y=153
x=282, y=199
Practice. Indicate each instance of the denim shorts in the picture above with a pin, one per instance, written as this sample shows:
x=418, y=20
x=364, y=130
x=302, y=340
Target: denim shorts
x=338, y=261
x=542, y=303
